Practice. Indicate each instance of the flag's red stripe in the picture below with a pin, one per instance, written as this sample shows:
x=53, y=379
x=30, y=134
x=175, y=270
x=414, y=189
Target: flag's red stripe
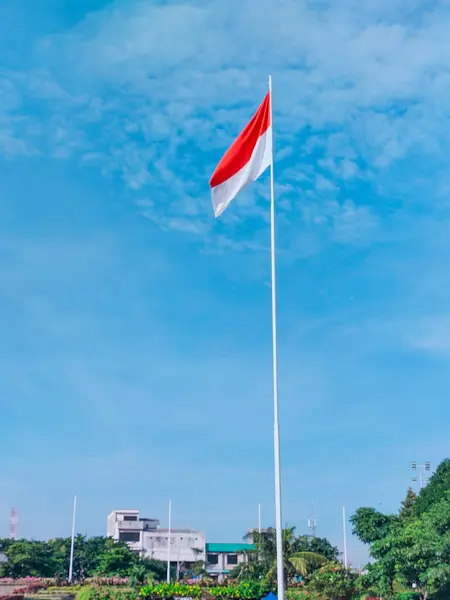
x=240, y=152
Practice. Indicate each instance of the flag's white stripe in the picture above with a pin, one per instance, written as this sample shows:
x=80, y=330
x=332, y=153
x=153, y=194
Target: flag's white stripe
x=260, y=159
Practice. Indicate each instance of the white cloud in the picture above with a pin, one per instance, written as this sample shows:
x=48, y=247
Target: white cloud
x=324, y=185
x=430, y=335
x=352, y=223
x=156, y=92
x=11, y=145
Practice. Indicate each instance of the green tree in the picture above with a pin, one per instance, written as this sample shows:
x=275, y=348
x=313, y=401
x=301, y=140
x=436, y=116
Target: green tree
x=370, y=525
x=92, y=556
x=87, y=559
x=421, y=550
x=379, y=575
x=308, y=543
x=436, y=489
x=251, y=569
x=60, y=550
x=141, y=574
x=263, y=559
x=199, y=566
x=27, y=558
x=89, y=555
x=413, y=548
x=117, y=559
x=334, y=582
x=155, y=568
x=408, y=505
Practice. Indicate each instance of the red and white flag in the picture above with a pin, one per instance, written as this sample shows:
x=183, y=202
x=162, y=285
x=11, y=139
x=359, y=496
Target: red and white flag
x=246, y=159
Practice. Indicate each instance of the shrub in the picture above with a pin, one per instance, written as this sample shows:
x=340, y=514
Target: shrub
x=31, y=588
x=171, y=590
x=109, y=581
x=334, y=581
x=244, y=591
x=247, y=590
x=105, y=593
x=304, y=594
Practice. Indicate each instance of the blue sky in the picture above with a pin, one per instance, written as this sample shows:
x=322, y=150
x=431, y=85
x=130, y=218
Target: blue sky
x=136, y=340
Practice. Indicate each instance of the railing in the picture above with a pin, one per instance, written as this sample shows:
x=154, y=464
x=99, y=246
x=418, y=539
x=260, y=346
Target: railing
x=131, y=526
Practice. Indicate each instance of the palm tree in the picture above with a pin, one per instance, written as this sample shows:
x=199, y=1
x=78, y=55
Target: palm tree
x=305, y=562
x=199, y=566
x=250, y=569
x=264, y=557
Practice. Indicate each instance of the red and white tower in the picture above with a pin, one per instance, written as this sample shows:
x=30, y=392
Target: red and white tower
x=13, y=524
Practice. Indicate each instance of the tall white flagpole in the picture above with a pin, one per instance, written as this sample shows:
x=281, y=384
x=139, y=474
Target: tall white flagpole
x=169, y=541
x=259, y=519
x=344, y=526
x=72, y=544
x=276, y=425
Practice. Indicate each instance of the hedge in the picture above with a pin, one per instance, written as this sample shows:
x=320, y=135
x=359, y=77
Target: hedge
x=166, y=591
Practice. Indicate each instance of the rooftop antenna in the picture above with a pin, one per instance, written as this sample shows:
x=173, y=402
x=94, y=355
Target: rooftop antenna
x=312, y=523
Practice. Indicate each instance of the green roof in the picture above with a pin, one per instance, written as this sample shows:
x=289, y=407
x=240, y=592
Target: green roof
x=228, y=548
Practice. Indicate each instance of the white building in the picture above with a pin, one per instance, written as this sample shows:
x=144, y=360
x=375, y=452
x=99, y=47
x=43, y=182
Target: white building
x=145, y=537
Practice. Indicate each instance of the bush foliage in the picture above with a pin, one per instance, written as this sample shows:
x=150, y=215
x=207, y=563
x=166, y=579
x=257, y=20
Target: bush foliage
x=246, y=590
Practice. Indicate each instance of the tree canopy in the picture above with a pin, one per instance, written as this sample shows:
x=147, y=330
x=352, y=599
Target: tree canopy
x=302, y=555
x=437, y=488
x=369, y=525
x=407, y=510
x=93, y=556
x=413, y=547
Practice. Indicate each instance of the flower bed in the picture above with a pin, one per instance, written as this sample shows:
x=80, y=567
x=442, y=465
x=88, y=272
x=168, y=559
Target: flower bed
x=297, y=594
x=108, y=581
x=21, y=580
x=26, y=585
x=166, y=591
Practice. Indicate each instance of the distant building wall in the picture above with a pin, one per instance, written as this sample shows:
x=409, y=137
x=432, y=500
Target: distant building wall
x=186, y=545
x=145, y=537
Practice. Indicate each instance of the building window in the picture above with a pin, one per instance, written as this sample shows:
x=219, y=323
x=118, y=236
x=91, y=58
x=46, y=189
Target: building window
x=129, y=518
x=232, y=559
x=213, y=559
x=129, y=536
